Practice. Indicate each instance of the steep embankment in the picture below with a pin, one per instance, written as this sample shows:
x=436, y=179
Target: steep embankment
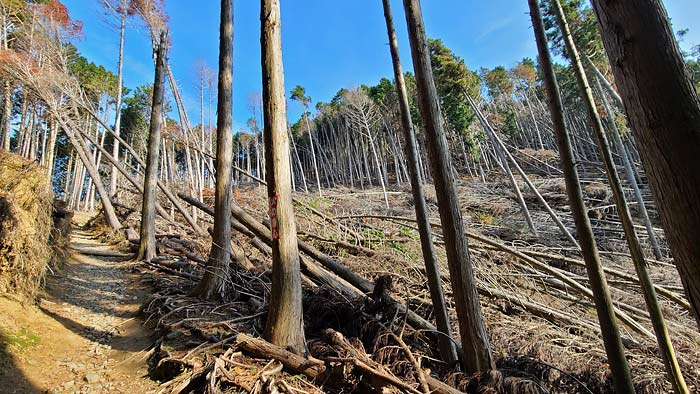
x=26, y=206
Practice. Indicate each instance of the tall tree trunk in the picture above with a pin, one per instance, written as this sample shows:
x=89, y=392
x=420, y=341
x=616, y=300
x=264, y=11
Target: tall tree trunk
x=313, y=153
x=606, y=84
x=69, y=169
x=213, y=283
x=380, y=175
x=78, y=177
x=622, y=378
x=51, y=150
x=663, y=110
x=118, y=107
x=22, y=119
x=82, y=150
x=665, y=346
x=630, y=173
x=471, y=322
x=447, y=349
x=147, y=245
x=301, y=166
x=284, y=325
x=7, y=115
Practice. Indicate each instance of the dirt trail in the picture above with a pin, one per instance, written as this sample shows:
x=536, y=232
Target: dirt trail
x=83, y=335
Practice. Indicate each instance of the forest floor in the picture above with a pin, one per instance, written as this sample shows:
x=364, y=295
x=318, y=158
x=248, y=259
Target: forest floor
x=86, y=334
x=544, y=333
x=83, y=334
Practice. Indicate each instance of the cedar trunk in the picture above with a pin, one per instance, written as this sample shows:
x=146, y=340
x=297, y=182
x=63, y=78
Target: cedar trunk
x=147, y=246
x=655, y=313
x=622, y=378
x=7, y=115
x=477, y=352
x=432, y=270
x=284, y=325
x=663, y=111
x=213, y=283
x=118, y=106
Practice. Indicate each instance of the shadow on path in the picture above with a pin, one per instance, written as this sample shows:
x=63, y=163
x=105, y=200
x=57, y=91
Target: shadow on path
x=95, y=296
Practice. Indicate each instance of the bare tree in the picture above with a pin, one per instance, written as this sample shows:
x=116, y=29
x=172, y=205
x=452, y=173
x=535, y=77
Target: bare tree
x=663, y=110
x=122, y=9
x=362, y=112
x=299, y=94
x=475, y=341
x=284, y=325
x=213, y=283
x=147, y=245
x=622, y=378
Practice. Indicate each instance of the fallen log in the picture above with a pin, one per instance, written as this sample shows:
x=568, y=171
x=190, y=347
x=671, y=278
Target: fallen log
x=158, y=264
x=260, y=348
x=364, y=362
x=356, y=250
x=102, y=253
x=132, y=235
x=678, y=299
x=539, y=310
x=261, y=246
x=334, y=275
x=238, y=257
x=555, y=272
x=261, y=232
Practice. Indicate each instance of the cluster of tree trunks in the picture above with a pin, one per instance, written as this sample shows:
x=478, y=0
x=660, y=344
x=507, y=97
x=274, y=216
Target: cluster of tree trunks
x=359, y=143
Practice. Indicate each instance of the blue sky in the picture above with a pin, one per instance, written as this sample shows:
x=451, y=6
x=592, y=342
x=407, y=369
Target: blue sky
x=327, y=44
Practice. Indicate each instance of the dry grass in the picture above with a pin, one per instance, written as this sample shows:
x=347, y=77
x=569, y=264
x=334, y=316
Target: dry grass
x=534, y=354
x=26, y=205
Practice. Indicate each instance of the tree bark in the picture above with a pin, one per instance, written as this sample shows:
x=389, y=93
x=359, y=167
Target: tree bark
x=147, y=245
x=663, y=110
x=69, y=170
x=216, y=276
x=622, y=378
x=118, y=107
x=7, y=115
x=447, y=350
x=284, y=325
x=81, y=149
x=664, y=341
x=471, y=323
x=313, y=153
x=51, y=150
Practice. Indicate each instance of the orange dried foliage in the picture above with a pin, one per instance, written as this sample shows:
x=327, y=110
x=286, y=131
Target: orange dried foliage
x=58, y=12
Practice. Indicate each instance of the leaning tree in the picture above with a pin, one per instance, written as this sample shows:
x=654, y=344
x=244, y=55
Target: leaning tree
x=663, y=110
x=622, y=379
x=477, y=350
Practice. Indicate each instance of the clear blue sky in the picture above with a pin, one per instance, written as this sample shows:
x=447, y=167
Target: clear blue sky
x=327, y=44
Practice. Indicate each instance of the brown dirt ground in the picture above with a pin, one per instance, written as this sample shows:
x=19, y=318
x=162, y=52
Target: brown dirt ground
x=82, y=335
